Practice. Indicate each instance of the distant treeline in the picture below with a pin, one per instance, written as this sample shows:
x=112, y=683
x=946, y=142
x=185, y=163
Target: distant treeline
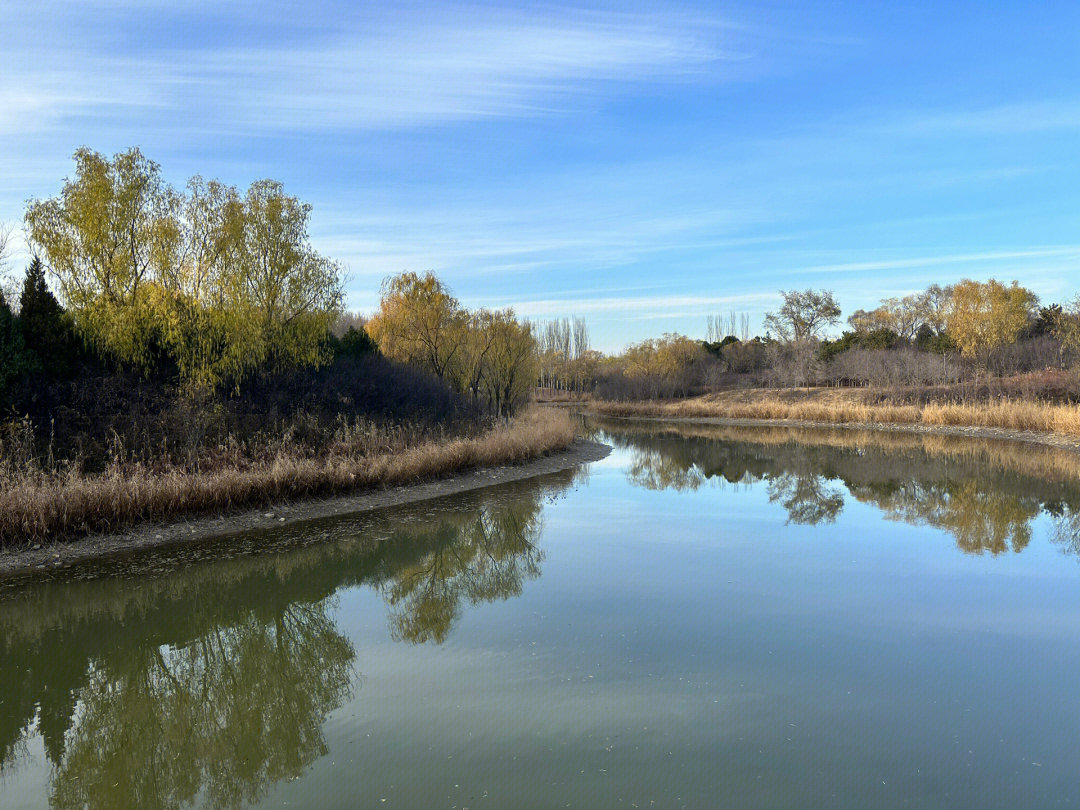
x=970, y=331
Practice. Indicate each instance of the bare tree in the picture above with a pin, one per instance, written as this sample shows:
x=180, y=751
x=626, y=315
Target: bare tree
x=7, y=284
x=737, y=326
x=803, y=315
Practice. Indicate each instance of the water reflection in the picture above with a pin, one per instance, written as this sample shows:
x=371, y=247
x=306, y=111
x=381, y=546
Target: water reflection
x=985, y=494
x=479, y=557
x=806, y=497
x=207, y=680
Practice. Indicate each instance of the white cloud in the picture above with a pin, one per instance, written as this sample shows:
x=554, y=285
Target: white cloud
x=376, y=74
x=1000, y=119
x=637, y=306
x=1064, y=251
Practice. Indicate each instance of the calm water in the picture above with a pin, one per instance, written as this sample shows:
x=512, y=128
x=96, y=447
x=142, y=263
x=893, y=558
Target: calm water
x=706, y=618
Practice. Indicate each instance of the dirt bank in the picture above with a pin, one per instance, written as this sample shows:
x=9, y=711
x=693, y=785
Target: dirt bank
x=202, y=529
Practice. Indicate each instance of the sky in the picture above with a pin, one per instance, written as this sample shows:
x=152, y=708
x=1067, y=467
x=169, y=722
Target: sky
x=642, y=166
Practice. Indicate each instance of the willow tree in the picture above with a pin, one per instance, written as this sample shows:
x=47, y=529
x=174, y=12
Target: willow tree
x=219, y=283
x=420, y=323
x=105, y=237
x=512, y=362
x=292, y=293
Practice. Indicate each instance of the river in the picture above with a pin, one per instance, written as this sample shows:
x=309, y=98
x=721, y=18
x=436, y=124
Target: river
x=709, y=617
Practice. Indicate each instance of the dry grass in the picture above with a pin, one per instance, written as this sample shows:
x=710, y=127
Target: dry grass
x=1041, y=461
x=35, y=507
x=546, y=395
x=839, y=407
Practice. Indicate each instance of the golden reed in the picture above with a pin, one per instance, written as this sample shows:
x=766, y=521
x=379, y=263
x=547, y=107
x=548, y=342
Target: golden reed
x=1009, y=414
x=42, y=507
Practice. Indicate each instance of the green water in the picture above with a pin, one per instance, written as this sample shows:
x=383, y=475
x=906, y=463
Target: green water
x=706, y=618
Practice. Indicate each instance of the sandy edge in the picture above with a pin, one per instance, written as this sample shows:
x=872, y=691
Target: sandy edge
x=200, y=529
x=971, y=432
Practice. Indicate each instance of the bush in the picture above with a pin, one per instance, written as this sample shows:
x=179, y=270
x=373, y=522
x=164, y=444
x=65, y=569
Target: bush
x=98, y=414
x=890, y=368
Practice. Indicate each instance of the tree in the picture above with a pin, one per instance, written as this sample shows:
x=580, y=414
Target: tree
x=419, y=323
x=5, y=281
x=45, y=330
x=1066, y=325
x=104, y=237
x=864, y=321
x=906, y=316
x=293, y=293
x=512, y=365
x=13, y=358
x=356, y=343
x=208, y=282
x=803, y=315
x=983, y=316
x=474, y=363
x=935, y=302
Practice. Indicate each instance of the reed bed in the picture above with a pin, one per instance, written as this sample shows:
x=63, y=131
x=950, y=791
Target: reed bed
x=41, y=506
x=1009, y=414
x=1041, y=461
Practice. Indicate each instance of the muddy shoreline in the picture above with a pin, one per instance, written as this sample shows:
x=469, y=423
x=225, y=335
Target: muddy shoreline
x=178, y=533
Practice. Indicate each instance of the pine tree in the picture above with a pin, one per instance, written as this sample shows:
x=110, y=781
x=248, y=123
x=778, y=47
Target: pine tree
x=45, y=330
x=13, y=356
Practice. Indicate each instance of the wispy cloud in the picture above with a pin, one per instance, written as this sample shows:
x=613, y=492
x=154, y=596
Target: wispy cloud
x=637, y=306
x=1064, y=251
x=459, y=64
x=998, y=119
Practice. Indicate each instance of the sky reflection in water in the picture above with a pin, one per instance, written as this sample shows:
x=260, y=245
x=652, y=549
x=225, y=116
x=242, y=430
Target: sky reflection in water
x=709, y=617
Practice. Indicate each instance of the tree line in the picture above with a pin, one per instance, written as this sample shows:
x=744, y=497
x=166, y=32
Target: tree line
x=208, y=288
x=167, y=323
x=488, y=355
x=970, y=330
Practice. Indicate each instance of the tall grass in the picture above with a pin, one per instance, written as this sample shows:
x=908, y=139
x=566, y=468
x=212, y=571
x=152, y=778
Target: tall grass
x=1011, y=414
x=37, y=505
x=1047, y=462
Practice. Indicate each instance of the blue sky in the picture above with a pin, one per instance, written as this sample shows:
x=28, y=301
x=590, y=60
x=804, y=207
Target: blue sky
x=642, y=166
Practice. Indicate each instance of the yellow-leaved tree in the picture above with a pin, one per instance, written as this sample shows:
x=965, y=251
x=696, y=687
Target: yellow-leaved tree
x=983, y=316
x=666, y=362
x=106, y=238
x=512, y=363
x=488, y=355
x=420, y=323
x=214, y=283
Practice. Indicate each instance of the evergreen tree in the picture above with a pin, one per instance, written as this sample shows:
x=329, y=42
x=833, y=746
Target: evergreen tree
x=46, y=332
x=13, y=357
x=357, y=343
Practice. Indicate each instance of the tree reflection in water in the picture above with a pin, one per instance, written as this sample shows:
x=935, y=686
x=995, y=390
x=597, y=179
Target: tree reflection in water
x=481, y=557
x=985, y=494
x=806, y=497
x=227, y=714
x=214, y=682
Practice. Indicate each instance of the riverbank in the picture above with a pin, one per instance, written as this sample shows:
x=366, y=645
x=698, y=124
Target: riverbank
x=1053, y=440
x=1012, y=418
x=49, y=509
x=53, y=557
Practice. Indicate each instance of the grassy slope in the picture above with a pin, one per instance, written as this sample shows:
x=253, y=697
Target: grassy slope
x=52, y=506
